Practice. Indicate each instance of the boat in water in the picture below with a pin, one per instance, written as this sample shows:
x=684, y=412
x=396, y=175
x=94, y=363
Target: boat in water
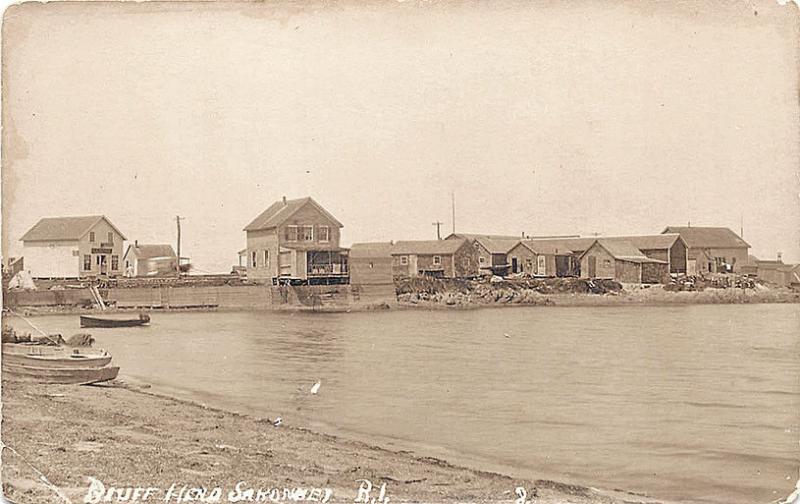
x=66, y=376
x=89, y=321
x=47, y=356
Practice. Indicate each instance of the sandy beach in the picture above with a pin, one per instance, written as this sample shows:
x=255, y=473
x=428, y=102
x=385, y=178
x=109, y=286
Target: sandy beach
x=126, y=436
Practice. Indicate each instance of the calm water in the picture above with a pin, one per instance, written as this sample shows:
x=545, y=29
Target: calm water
x=694, y=403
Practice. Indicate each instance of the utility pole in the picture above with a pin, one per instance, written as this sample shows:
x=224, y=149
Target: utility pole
x=438, y=225
x=453, y=199
x=178, y=220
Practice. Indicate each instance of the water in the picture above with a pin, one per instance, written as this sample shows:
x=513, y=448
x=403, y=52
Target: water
x=688, y=403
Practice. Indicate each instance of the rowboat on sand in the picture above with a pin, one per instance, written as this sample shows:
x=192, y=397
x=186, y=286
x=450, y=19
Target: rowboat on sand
x=67, y=376
x=45, y=356
x=88, y=321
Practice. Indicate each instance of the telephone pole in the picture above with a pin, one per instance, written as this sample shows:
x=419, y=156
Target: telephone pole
x=438, y=225
x=178, y=220
x=453, y=199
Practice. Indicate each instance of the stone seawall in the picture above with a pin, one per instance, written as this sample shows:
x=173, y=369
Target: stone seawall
x=246, y=297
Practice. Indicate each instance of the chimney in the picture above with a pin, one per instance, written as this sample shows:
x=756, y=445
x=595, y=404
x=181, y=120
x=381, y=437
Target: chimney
x=135, y=243
x=284, y=200
x=780, y=257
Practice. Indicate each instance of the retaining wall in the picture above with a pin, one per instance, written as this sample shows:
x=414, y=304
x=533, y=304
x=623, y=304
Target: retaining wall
x=226, y=296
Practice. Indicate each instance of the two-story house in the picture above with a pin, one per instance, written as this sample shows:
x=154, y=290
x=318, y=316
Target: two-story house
x=295, y=241
x=67, y=247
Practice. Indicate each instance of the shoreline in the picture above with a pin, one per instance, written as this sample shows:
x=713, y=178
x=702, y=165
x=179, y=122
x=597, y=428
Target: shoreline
x=141, y=437
x=641, y=296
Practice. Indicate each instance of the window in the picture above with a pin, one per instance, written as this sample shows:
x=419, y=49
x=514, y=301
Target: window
x=308, y=233
x=253, y=262
x=110, y=237
x=114, y=262
x=91, y=236
x=324, y=233
x=87, y=262
x=266, y=259
x=437, y=260
x=481, y=259
x=291, y=233
x=607, y=263
x=403, y=260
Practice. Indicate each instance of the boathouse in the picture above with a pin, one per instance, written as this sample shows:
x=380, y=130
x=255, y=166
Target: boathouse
x=712, y=249
x=296, y=241
x=456, y=258
x=621, y=261
x=71, y=247
x=543, y=258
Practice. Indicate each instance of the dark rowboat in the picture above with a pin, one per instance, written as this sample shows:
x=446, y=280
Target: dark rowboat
x=87, y=321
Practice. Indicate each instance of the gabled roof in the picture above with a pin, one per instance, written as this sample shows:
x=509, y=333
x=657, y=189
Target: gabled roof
x=770, y=264
x=649, y=242
x=371, y=250
x=563, y=245
x=708, y=237
x=474, y=236
x=151, y=251
x=498, y=245
x=623, y=251
x=280, y=211
x=542, y=247
x=427, y=247
x=65, y=228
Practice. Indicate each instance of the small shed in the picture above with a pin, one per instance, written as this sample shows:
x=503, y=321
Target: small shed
x=150, y=260
x=371, y=263
x=494, y=256
x=621, y=261
x=543, y=259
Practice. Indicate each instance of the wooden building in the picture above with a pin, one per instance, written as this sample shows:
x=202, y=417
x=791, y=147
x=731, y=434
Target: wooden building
x=543, y=259
x=150, y=260
x=493, y=255
x=371, y=263
x=454, y=258
x=621, y=261
x=712, y=249
x=667, y=247
x=69, y=247
x=773, y=271
x=296, y=241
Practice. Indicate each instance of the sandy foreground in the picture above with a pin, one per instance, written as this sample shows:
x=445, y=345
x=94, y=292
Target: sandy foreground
x=126, y=436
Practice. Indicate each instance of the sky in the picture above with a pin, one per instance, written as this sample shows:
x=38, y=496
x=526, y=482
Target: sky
x=544, y=118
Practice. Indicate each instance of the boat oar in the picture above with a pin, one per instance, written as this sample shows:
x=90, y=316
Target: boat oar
x=31, y=324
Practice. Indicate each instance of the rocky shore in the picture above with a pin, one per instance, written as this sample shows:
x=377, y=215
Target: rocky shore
x=448, y=293
x=127, y=437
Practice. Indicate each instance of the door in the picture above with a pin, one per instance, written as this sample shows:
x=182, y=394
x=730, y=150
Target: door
x=514, y=265
x=102, y=265
x=592, y=266
x=541, y=265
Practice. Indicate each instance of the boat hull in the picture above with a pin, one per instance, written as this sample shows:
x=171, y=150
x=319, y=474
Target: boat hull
x=66, y=376
x=98, y=322
x=65, y=360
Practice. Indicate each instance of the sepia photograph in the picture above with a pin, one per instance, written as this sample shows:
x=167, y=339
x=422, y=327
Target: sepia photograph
x=401, y=251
